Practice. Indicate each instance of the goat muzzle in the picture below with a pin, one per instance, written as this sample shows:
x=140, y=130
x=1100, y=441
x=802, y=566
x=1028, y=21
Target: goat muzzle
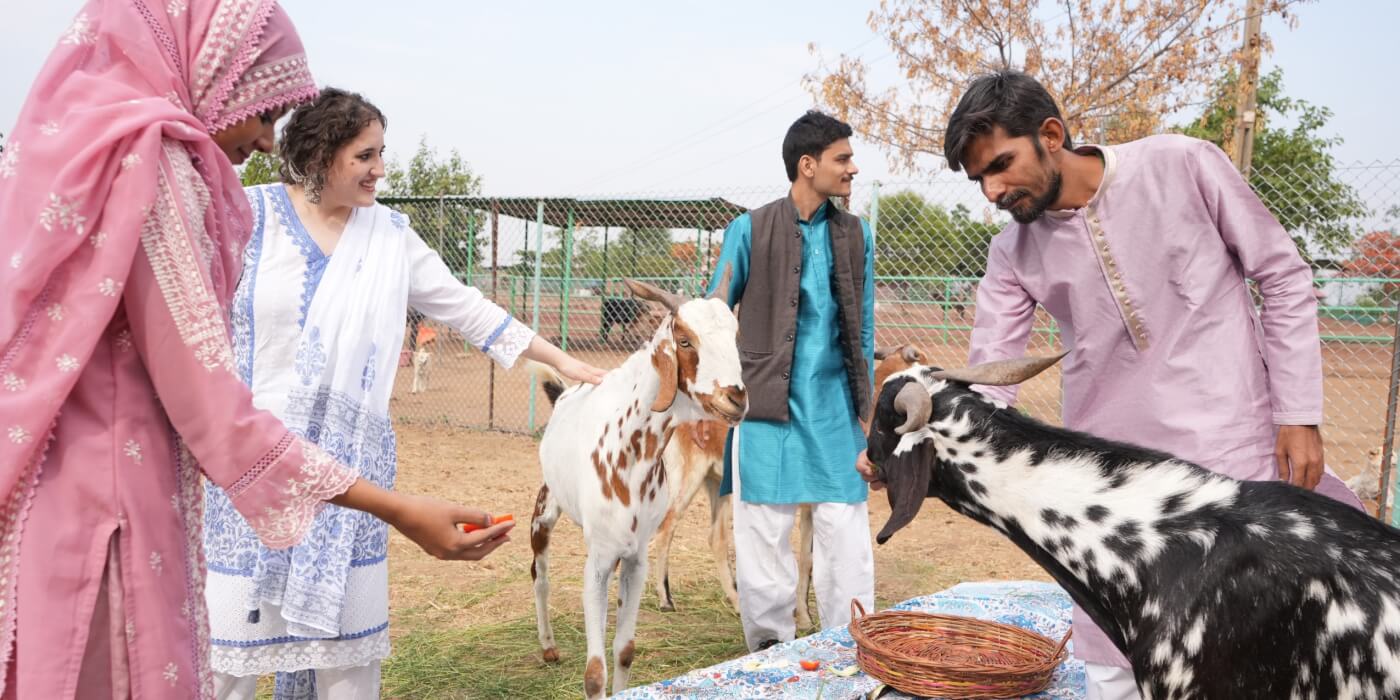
x=729, y=403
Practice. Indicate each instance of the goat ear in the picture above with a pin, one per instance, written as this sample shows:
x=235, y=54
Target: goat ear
x=882, y=353
x=910, y=354
x=906, y=485
x=650, y=292
x=1000, y=373
x=663, y=360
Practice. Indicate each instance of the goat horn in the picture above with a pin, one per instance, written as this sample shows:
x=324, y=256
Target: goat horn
x=916, y=405
x=910, y=354
x=650, y=292
x=722, y=289
x=1002, y=372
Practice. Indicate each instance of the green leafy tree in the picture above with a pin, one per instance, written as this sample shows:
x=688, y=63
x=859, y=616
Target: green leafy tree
x=1293, y=169
x=429, y=175
x=918, y=238
x=552, y=262
x=261, y=169
x=642, y=252
x=454, y=230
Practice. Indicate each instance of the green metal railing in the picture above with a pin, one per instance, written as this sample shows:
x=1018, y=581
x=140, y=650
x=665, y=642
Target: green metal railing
x=953, y=294
x=553, y=260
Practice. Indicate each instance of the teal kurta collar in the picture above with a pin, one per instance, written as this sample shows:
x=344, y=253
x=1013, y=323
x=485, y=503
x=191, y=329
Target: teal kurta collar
x=818, y=216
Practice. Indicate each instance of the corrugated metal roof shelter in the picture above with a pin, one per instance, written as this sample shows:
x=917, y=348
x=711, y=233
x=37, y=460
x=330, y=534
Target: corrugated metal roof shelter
x=708, y=214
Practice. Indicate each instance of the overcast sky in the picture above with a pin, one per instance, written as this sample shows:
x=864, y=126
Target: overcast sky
x=644, y=96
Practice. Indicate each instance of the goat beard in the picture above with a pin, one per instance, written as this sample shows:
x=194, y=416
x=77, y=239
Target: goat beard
x=906, y=486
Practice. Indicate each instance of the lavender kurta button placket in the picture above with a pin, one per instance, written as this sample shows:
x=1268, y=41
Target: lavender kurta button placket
x=1112, y=273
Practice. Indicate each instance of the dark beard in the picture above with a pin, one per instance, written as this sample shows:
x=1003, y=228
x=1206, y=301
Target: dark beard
x=1038, y=204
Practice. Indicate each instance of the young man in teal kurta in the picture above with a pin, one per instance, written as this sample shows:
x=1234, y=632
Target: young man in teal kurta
x=806, y=339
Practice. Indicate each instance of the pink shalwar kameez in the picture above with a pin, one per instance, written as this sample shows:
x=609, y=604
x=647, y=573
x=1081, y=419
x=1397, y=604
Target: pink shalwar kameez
x=121, y=228
x=1148, y=284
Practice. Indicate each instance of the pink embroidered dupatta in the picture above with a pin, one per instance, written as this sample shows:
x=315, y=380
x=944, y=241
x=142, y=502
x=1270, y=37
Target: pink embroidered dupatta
x=126, y=76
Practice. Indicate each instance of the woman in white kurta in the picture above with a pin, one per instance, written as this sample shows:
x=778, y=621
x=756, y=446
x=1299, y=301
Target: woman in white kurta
x=318, y=323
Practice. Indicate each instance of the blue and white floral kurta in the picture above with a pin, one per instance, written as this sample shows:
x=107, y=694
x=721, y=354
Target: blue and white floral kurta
x=283, y=268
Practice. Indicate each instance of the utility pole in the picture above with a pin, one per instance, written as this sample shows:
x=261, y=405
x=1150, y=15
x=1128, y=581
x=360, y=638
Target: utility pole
x=1246, y=102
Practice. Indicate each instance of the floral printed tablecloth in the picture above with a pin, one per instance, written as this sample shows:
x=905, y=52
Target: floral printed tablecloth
x=774, y=673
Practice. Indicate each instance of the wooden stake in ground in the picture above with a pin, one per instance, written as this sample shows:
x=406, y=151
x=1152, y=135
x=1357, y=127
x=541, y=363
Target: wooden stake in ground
x=1242, y=142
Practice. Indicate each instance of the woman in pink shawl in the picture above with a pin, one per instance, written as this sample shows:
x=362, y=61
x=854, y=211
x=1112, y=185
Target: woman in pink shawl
x=122, y=224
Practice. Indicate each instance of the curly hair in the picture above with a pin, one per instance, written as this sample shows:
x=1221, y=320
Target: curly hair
x=316, y=131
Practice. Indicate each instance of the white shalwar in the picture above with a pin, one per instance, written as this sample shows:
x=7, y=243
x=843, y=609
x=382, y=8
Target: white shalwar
x=843, y=564
x=1110, y=682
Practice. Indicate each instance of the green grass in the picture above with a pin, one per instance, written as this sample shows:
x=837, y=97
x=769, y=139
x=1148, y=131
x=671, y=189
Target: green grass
x=435, y=658
x=502, y=659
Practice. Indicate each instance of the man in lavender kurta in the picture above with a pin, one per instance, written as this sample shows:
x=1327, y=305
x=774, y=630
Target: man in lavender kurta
x=1140, y=252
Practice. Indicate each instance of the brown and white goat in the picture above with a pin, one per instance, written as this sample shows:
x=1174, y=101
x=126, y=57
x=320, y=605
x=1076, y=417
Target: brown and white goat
x=695, y=458
x=601, y=457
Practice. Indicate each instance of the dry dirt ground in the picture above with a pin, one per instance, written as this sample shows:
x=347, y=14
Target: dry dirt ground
x=500, y=473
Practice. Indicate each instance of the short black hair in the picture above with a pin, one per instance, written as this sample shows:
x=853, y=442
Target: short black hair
x=809, y=136
x=1009, y=99
x=317, y=130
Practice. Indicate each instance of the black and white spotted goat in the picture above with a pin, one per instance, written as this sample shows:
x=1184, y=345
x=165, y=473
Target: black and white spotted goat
x=1212, y=587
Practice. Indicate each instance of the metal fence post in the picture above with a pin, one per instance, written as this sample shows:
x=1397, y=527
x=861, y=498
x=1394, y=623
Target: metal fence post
x=605, y=262
x=874, y=212
x=944, y=306
x=697, y=281
x=442, y=225
x=471, y=244
x=535, y=318
x=1387, y=451
x=568, y=280
x=495, y=296
x=709, y=248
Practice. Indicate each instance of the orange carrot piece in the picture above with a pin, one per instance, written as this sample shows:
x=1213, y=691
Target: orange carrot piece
x=471, y=527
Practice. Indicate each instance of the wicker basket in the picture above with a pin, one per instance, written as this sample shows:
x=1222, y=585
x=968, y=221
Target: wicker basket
x=947, y=656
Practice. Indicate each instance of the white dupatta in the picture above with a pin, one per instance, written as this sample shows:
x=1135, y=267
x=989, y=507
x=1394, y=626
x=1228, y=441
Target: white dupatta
x=344, y=374
x=355, y=324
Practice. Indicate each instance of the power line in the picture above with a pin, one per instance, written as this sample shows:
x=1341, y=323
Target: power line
x=689, y=171
x=731, y=156
x=716, y=128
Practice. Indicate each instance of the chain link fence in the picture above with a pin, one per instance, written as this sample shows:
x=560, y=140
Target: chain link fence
x=558, y=264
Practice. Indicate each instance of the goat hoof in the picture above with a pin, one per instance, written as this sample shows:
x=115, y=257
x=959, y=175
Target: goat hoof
x=551, y=655
x=668, y=606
